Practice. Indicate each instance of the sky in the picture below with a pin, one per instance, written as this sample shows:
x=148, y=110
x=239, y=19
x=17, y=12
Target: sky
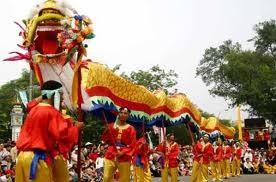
x=141, y=33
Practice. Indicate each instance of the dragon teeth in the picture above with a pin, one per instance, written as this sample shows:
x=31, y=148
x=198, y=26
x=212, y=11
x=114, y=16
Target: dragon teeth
x=49, y=28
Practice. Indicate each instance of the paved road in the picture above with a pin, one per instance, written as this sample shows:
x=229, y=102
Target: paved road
x=243, y=178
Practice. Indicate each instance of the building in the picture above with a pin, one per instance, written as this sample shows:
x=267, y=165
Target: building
x=17, y=115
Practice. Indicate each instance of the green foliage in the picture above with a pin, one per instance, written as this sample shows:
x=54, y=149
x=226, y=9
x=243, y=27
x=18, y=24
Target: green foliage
x=265, y=39
x=181, y=134
x=226, y=122
x=242, y=76
x=154, y=78
x=8, y=97
x=93, y=129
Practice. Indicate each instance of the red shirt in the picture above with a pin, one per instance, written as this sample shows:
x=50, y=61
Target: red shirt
x=207, y=152
x=266, y=136
x=31, y=104
x=197, y=151
x=218, y=154
x=124, y=136
x=246, y=136
x=203, y=152
x=93, y=156
x=64, y=146
x=171, y=152
x=238, y=153
x=43, y=128
x=142, y=150
x=227, y=152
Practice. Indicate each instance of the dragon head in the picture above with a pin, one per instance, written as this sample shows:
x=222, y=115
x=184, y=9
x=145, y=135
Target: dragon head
x=55, y=30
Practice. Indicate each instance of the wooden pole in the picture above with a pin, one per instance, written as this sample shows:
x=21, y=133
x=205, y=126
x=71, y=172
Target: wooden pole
x=190, y=133
x=106, y=123
x=80, y=119
x=143, y=128
x=163, y=131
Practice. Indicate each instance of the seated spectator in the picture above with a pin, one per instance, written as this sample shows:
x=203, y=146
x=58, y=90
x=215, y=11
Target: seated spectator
x=3, y=178
x=273, y=135
x=268, y=169
x=267, y=136
x=3, y=152
x=263, y=159
x=13, y=151
x=94, y=155
x=155, y=168
x=6, y=163
x=100, y=166
x=74, y=156
x=256, y=165
x=248, y=154
x=73, y=173
x=273, y=147
x=248, y=167
x=271, y=159
x=261, y=134
x=181, y=169
x=10, y=175
x=261, y=167
x=257, y=136
x=246, y=135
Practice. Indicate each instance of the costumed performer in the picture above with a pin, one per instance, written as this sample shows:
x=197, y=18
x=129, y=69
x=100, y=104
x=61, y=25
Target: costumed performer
x=203, y=151
x=218, y=151
x=169, y=151
x=43, y=129
x=60, y=154
x=60, y=166
x=141, y=159
x=236, y=162
x=196, y=175
x=227, y=154
x=121, y=138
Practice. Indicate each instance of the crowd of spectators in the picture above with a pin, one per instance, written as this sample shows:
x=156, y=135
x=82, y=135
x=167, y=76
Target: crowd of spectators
x=259, y=160
x=8, y=154
x=92, y=157
x=253, y=161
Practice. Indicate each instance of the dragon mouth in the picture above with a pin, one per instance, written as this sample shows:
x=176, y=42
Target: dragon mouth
x=46, y=41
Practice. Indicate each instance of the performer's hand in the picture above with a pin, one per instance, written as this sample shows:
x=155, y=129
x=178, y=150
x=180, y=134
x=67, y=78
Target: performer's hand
x=144, y=142
x=152, y=151
x=106, y=128
x=80, y=125
x=119, y=154
x=38, y=99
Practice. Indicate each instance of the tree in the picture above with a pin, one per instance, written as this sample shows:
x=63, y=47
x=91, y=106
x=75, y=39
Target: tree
x=244, y=77
x=265, y=40
x=8, y=97
x=154, y=78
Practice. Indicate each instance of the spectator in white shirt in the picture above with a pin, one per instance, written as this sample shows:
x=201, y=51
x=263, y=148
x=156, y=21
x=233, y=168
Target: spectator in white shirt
x=248, y=167
x=100, y=162
x=13, y=152
x=248, y=154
